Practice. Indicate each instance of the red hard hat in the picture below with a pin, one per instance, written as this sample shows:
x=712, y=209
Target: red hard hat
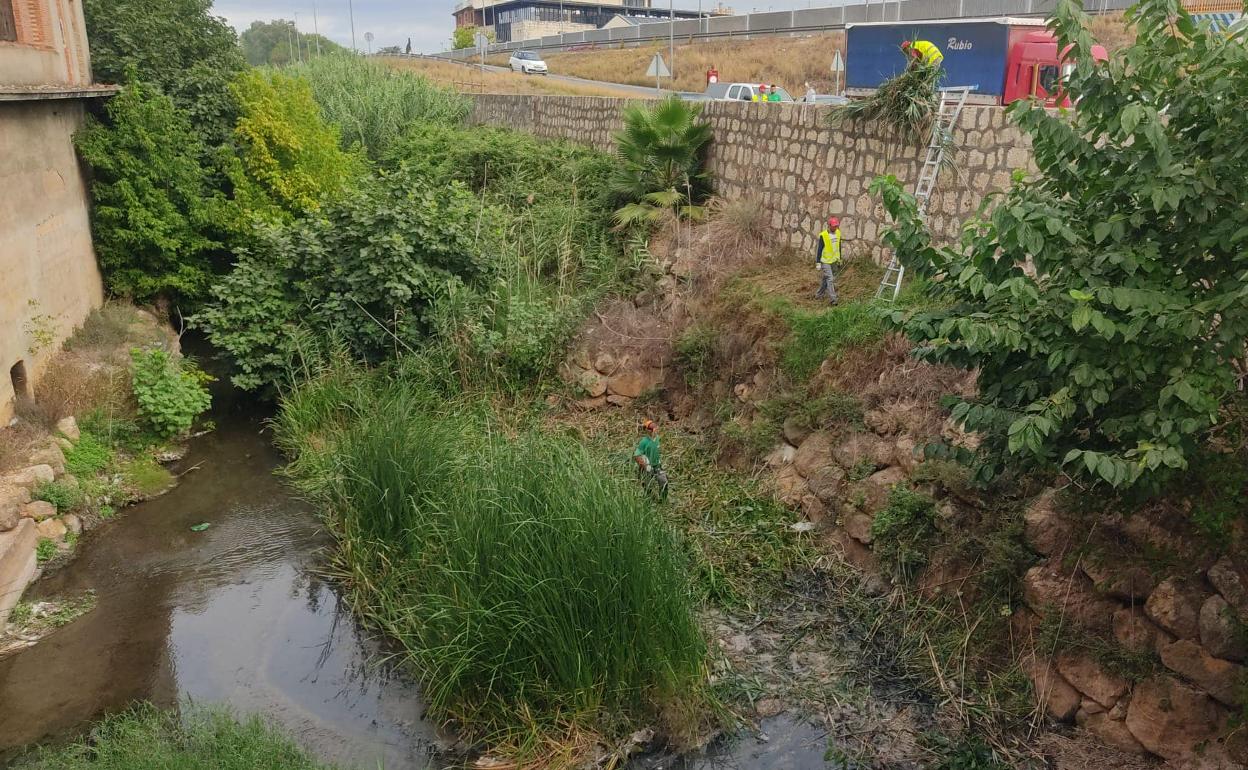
x=762, y=85
x=834, y=222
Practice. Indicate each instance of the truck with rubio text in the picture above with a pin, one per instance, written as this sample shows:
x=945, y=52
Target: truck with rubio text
x=1004, y=59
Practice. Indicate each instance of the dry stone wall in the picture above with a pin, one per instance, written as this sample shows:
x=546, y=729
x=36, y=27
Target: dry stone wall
x=801, y=168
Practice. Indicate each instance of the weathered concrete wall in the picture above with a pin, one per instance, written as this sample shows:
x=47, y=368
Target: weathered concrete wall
x=800, y=167
x=49, y=280
x=51, y=46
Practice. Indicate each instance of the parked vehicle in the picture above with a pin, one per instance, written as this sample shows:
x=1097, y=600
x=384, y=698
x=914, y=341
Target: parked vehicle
x=739, y=92
x=528, y=63
x=1005, y=59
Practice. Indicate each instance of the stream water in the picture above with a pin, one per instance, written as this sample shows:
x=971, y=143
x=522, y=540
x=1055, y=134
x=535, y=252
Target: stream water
x=238, y=615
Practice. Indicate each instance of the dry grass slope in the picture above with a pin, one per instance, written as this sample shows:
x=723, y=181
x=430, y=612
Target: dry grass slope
x=470, y=79
x=790, y=62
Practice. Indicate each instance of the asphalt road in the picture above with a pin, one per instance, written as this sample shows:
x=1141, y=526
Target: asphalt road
x=651, y=93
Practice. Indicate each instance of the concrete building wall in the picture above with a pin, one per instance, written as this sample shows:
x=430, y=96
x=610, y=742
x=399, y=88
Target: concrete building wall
x=801, y=168
x=49, y=280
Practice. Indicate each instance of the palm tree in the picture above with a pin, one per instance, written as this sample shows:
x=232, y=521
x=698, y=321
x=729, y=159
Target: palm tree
x=662, y=154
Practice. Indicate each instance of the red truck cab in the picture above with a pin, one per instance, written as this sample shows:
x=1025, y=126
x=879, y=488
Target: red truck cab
x=1034, y=67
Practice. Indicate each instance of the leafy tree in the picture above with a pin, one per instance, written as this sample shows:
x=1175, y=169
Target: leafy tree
x=153, y=202
x=279, y=42
x=662, y=156
x=466, y=37
x=178, y=45
x=289, y=160
x=1103, y=301
x=366, y=270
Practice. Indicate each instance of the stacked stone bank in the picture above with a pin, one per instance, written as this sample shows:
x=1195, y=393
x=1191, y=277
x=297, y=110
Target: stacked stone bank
x=798, y=165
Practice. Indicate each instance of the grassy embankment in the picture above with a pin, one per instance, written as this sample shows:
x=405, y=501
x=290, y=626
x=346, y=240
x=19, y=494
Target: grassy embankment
x=471, y=79
x=149, y=739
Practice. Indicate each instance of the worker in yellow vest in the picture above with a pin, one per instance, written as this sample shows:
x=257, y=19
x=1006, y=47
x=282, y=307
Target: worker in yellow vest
x=761, y=95
x=922, y=52
x=827, y=256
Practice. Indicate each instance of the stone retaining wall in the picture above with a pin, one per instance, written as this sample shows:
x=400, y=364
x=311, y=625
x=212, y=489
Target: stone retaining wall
x=800, y=167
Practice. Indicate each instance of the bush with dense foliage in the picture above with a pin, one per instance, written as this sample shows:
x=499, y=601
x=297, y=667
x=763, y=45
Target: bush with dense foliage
x=661, y=162
x=155, y=213
x=169, y=390
x=179, y=46
x=373, y=105
x=1103, y=301
x=365, y=269
x=289, y=160
x=528, y=588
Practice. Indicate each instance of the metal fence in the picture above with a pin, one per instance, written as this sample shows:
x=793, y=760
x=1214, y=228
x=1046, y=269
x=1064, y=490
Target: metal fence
x=783, y=23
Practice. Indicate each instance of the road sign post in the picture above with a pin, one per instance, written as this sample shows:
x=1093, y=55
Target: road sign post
x=658, y=69
x=838, y=68
x=483, y=44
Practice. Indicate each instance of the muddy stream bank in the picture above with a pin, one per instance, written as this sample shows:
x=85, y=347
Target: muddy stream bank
x=239, y=615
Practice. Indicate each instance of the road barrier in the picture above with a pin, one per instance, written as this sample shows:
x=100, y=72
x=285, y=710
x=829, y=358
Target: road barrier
x=806, y=21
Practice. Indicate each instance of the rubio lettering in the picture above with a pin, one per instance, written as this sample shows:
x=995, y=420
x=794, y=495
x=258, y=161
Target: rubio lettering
x=958, y=45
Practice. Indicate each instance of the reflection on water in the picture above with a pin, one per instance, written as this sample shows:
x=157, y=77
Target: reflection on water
x=234, y=614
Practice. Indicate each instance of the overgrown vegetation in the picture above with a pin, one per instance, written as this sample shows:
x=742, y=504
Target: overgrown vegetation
x=146, y=738
x=1101, y=302
x=532, y=593
x=903, y=533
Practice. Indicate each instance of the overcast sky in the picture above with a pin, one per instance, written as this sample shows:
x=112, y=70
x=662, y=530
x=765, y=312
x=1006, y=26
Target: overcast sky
x=427, y=22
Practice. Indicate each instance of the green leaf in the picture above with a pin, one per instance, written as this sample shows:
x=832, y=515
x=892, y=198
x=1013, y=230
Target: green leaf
x=200, y=527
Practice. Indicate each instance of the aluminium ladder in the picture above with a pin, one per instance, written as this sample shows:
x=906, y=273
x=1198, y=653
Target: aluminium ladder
x=952, y=100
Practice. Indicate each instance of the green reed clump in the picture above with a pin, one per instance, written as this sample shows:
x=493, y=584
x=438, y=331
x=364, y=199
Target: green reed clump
x=530, y=589
x=376, y=105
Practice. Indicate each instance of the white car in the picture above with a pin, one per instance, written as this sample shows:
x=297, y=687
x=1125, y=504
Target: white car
x=527, y=62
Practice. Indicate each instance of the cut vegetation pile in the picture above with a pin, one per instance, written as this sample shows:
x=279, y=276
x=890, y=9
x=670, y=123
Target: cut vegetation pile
x=533, y=593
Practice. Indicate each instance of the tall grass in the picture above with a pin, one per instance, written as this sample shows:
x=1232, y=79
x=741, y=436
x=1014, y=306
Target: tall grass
x=376, y=105
x=146, y=738
x=530, y=590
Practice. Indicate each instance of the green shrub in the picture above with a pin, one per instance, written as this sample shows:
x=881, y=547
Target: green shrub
x=904, y=532
x=156, y=219
x=269, y=43
x=170, y=391
x=366, y=271
x=289, y=161
x=145, y=738
x=375, y=105
x=60, y=494
x=89, y=456
x=45, y=550
x=527, y=588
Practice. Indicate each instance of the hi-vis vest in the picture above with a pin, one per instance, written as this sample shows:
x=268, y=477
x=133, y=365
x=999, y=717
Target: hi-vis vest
x=831, y=247
x=928, y=52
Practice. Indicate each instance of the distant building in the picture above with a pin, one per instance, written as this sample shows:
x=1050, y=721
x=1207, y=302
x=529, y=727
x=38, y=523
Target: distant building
x=49, y=280
x=531, y=19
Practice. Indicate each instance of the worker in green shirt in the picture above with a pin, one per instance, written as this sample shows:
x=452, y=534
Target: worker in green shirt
x=649, y=465
x=773, y=94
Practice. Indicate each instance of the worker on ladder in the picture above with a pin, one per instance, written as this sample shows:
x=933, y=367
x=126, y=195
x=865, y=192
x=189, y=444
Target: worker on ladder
x=827, y=256
x=922, y=52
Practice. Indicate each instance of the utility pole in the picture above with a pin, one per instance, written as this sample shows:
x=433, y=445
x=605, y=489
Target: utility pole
x=316, y=30
x=351, y=13
x=671, y=39
x=298, y=41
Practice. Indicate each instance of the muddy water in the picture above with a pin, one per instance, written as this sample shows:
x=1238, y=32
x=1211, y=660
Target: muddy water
x=235, y=614
x=238, y=615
